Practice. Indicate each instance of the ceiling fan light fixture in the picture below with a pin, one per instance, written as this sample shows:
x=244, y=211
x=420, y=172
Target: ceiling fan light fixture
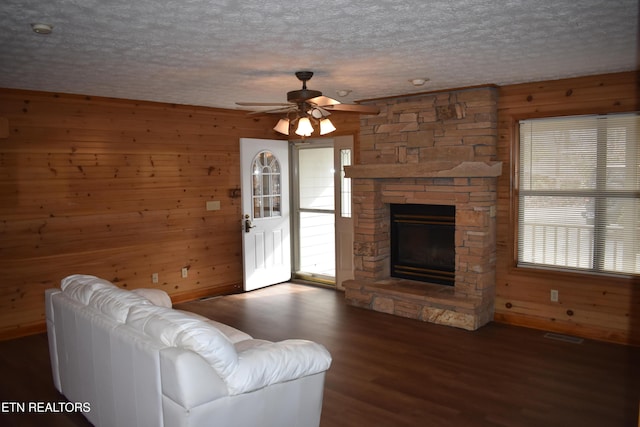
x=307, y=110
x=282, y=126
x=326, y=126
x=304, y=127
x=316, y=113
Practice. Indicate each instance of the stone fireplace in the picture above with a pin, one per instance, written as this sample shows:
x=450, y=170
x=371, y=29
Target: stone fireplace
x=429, y=149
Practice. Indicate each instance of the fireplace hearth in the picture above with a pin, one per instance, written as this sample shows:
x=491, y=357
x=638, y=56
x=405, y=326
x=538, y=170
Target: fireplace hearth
x=423, y=243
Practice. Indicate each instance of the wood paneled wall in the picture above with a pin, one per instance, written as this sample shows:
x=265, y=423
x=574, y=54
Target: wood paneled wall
x=118, y=189
x=599, y=307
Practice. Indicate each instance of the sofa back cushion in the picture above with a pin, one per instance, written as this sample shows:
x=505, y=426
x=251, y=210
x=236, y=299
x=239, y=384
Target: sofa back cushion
x=156, y=296
x=115, y=302
x=177, y=328
x=80, y=287
x=102, y=295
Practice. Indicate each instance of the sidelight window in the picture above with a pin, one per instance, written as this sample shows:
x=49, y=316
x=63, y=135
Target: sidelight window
x=345, y=184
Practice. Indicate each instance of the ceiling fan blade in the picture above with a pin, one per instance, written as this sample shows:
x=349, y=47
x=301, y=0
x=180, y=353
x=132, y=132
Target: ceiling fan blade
x=264, y=104
x=303, y=102
x=286, y=109
x=353, y=108
x=323, y=101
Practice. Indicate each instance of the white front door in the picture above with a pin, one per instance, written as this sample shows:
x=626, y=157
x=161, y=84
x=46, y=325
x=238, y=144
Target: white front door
x=264, y=169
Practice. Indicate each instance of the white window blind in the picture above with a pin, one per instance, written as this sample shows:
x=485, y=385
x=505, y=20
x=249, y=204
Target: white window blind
x=578, y=193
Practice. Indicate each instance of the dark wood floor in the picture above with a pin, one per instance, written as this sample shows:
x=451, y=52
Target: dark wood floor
x=390, y=371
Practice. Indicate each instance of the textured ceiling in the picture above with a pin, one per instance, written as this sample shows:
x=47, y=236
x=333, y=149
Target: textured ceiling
x=217, y=52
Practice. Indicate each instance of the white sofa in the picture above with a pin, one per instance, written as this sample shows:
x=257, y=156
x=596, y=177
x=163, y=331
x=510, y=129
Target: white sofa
x=137, y=363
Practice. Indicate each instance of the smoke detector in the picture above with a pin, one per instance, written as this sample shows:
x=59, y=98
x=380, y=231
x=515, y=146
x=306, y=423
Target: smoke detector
x=42, y=28
x=419, y=81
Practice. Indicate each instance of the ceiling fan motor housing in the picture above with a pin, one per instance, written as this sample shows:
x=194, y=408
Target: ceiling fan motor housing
x=298, y=96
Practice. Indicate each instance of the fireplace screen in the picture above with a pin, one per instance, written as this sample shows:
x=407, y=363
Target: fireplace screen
x=423, y=243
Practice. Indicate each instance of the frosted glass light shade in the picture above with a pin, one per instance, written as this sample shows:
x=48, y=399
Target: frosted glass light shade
x=326, y=127
x=282, y=126
x=304, y=127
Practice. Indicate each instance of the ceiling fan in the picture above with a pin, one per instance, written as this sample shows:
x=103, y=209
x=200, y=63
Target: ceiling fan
x=307, y=106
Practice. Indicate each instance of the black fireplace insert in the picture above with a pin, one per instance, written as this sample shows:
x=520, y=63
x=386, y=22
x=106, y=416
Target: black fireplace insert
x=423, y=243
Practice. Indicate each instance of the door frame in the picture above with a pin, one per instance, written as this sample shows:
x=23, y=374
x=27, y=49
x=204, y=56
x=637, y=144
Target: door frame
x=335, y=143
x=344, y=226
x=295, y=203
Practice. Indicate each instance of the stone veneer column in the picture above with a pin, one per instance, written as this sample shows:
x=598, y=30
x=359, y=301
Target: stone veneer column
x=371, y=230
x=457, y=126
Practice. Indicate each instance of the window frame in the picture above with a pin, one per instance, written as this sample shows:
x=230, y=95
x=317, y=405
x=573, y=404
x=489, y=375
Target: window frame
x=515, y=191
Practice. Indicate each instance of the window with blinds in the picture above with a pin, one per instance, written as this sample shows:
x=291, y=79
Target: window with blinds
x=579, y=193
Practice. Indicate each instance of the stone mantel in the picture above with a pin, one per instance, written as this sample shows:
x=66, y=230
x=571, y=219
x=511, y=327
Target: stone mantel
x=432, y=169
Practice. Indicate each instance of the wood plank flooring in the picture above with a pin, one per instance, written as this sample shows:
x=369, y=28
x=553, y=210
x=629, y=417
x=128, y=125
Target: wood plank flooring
x=396, y=372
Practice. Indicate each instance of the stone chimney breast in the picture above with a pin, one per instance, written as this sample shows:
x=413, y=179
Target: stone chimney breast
x=437, y=149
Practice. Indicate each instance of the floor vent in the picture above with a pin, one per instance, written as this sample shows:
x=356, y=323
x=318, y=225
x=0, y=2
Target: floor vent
x=565, y=338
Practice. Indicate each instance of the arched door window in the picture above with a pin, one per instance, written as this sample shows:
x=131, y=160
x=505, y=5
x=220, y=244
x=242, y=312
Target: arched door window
x=266, y=186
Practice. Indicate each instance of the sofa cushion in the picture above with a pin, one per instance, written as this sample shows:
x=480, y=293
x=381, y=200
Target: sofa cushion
x=102, y=295
x=182, y=329
x=115, y=302
x=249, y=365
x=156, y=296
x=80, y=287
x=234, y=335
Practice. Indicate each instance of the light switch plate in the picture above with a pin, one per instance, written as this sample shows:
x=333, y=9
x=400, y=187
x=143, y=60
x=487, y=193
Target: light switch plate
x=213, y=205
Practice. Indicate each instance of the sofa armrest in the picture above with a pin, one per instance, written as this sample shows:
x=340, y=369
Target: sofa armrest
x=188, y=379
x=267, y=363
x=51, y=336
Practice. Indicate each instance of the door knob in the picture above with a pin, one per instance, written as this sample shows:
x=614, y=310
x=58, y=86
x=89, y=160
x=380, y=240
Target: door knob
x=247, y=224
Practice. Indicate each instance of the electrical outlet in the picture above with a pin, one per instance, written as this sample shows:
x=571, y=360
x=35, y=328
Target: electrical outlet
x=154, y=278
x=554, y=295
x=184, y=272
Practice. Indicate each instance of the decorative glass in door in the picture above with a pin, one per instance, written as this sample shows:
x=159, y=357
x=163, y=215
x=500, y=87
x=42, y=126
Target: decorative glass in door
x=266, y=197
